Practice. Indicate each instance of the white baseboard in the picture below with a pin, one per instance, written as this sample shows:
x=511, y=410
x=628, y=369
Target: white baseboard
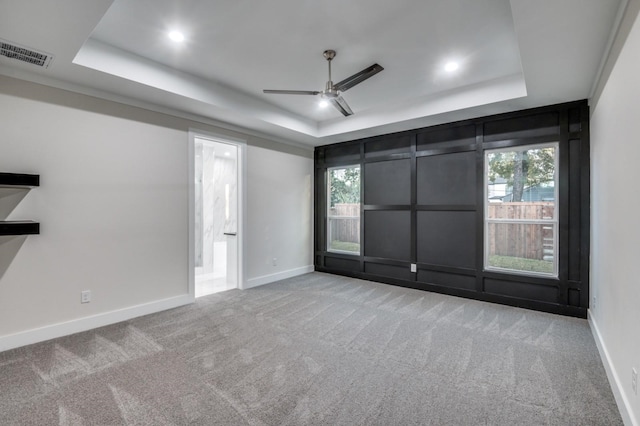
x=53, y=331
x=48, y=332
x=618, y=391
x=266, y=279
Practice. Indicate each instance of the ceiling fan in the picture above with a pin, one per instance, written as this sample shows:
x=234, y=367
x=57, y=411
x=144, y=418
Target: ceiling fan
x=332, y=92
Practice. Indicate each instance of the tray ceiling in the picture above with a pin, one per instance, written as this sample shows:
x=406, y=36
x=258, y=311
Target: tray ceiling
x=511, y=54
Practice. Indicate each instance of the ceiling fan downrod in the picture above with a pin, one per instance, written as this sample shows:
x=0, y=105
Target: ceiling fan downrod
x=329, y=55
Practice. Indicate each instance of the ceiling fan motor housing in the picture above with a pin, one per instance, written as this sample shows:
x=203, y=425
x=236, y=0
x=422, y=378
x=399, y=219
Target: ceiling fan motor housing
x=330, y=91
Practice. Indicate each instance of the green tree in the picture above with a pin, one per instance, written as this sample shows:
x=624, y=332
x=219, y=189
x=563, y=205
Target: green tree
x=345, y=185
x=522, y=169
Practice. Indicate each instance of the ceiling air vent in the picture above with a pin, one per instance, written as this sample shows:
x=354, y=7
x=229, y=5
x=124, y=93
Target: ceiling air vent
x=24, y=54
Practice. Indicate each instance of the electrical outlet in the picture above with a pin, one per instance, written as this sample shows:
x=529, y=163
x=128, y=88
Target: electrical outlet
x=414, y=267
x=274, y=262
x=85, y=296
x=593, y=304
x=634, y=380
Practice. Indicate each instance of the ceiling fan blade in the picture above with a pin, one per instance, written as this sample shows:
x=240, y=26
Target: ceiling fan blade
x=291, y=92
x=357, y=78
x=341, y=105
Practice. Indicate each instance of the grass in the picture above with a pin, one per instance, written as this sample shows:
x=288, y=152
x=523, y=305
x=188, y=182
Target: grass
x=345, y=246
x=521, y=264
x=504, y=262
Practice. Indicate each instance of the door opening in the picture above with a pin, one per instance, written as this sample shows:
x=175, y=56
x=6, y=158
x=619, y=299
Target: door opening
x=215, y=215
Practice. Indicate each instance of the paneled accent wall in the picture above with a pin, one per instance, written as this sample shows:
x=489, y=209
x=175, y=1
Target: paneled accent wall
x=423, y=205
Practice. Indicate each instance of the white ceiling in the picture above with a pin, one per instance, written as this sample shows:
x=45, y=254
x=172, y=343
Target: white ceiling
x=513, y=54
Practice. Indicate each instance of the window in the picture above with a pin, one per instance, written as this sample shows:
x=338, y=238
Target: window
x=521, y=209
x=343, y=216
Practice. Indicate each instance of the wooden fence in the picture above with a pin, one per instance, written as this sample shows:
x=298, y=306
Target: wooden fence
x=345, y=223
x=530, y=241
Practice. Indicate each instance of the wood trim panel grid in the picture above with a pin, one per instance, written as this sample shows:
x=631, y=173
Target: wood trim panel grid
x=437, y=237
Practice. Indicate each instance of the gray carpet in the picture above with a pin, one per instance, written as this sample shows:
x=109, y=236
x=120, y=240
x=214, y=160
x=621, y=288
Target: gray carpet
x=316, y=349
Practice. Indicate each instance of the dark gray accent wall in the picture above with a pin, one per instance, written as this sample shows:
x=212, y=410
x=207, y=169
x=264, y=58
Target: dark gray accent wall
x=422, y=204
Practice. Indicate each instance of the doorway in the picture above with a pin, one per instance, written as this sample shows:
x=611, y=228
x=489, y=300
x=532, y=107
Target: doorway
x=216, y=205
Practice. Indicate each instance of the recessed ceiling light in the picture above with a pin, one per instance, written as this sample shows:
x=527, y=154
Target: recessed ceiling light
x=451, y=66
x=227, y=154
x=176, y=36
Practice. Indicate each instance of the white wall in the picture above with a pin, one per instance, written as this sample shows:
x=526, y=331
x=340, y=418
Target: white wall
x=113, y=211
x=615, y=228
x=280, y=200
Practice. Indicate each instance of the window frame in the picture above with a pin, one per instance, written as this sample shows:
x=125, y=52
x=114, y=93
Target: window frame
x=328, y=211
x=554, y=221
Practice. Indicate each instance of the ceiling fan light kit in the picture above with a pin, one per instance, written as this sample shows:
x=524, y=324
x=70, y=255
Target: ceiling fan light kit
x=332, y=93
